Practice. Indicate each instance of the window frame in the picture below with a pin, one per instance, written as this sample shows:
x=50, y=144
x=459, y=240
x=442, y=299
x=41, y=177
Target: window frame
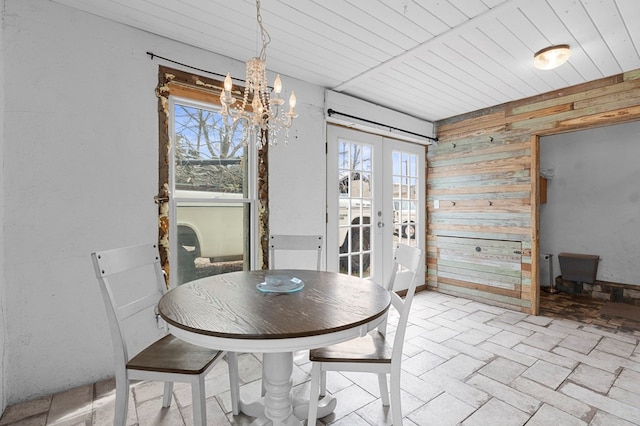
x=194, y=88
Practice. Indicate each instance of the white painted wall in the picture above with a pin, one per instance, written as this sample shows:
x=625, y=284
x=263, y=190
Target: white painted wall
x=80, y=156
x=297, y=169
x=593, y=200
x=80, y=160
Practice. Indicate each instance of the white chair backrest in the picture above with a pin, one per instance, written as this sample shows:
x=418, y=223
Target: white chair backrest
x=412, y=260
x=131, y=282
x=291, y=243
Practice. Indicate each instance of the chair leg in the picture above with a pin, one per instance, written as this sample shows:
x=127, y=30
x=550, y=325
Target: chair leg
x=166, y=398
x=198, y=402
x=323, y=382
x=263, y=390
x=384, y=391
x=316, y=375
x=396, y=401
x=122, y=401
x=234, y=382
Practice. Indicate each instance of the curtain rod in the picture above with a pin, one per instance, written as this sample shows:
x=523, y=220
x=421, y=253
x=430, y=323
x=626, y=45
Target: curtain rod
x=332, y=112
x=329, y=111
x=153, y=55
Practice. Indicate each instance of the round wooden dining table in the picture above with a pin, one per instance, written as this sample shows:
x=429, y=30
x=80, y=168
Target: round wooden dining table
x=228, y=312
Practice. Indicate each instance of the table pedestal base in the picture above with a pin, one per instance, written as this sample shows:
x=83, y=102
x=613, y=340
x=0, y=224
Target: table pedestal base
x=278, y=407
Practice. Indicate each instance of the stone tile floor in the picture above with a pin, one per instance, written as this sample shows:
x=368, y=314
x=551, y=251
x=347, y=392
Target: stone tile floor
x=465, y=363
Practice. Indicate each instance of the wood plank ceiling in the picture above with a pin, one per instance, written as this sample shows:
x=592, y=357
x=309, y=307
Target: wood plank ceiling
x=432, y=59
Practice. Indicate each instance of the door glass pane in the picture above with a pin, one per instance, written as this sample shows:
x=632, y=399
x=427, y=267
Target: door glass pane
x=405, y=197
x=355, y=168
x=211, y=195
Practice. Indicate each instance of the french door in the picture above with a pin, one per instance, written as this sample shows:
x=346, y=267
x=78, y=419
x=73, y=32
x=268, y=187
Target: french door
x=375, y=201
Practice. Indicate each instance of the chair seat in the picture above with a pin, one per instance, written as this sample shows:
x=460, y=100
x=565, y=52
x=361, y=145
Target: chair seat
x=372, y=348
x=172, y=355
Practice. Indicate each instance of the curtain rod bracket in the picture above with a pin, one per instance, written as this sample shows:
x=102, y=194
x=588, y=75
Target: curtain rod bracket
x=153, y=56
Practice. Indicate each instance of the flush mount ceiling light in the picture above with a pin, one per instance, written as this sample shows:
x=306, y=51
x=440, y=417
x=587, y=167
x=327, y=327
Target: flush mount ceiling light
x=551, y=57
x=259, y=111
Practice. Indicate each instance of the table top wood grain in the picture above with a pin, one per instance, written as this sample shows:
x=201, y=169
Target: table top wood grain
x=230, y=306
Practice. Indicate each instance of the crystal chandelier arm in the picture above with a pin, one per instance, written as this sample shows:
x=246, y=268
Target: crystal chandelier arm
x=292, y=104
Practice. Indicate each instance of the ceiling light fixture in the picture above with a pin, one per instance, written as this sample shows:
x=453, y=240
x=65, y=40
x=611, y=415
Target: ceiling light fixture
x=551, y=57
x=262, y=119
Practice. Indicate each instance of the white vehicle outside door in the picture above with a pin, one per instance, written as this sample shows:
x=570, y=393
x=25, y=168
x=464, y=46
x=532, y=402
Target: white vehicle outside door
x=375, y=200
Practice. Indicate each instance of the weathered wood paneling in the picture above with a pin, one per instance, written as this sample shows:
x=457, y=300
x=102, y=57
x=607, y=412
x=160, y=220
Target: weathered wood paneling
x=483, y=176
x=488, y=263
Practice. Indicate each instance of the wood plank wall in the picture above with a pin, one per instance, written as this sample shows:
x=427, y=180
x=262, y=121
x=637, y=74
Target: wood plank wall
x=483, y=174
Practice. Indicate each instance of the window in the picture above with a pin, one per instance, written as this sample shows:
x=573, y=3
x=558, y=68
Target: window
x=212, y=195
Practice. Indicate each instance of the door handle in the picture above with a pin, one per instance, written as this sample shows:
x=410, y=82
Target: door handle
x=380, y=225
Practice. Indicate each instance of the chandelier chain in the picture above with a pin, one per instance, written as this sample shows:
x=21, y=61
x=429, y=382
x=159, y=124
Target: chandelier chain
x=264, y=34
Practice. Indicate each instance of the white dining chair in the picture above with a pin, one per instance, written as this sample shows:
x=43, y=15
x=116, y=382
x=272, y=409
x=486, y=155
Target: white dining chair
x=286, y=245
x=373, y=353
x=132, y=282
x=291, y=243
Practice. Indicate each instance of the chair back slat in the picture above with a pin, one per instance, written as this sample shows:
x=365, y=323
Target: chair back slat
x=130, y=309
x=285, y=243
x=115, y=261
x=408, y=257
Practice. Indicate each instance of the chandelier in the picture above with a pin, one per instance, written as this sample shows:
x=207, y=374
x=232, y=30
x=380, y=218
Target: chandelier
x=262, y=119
